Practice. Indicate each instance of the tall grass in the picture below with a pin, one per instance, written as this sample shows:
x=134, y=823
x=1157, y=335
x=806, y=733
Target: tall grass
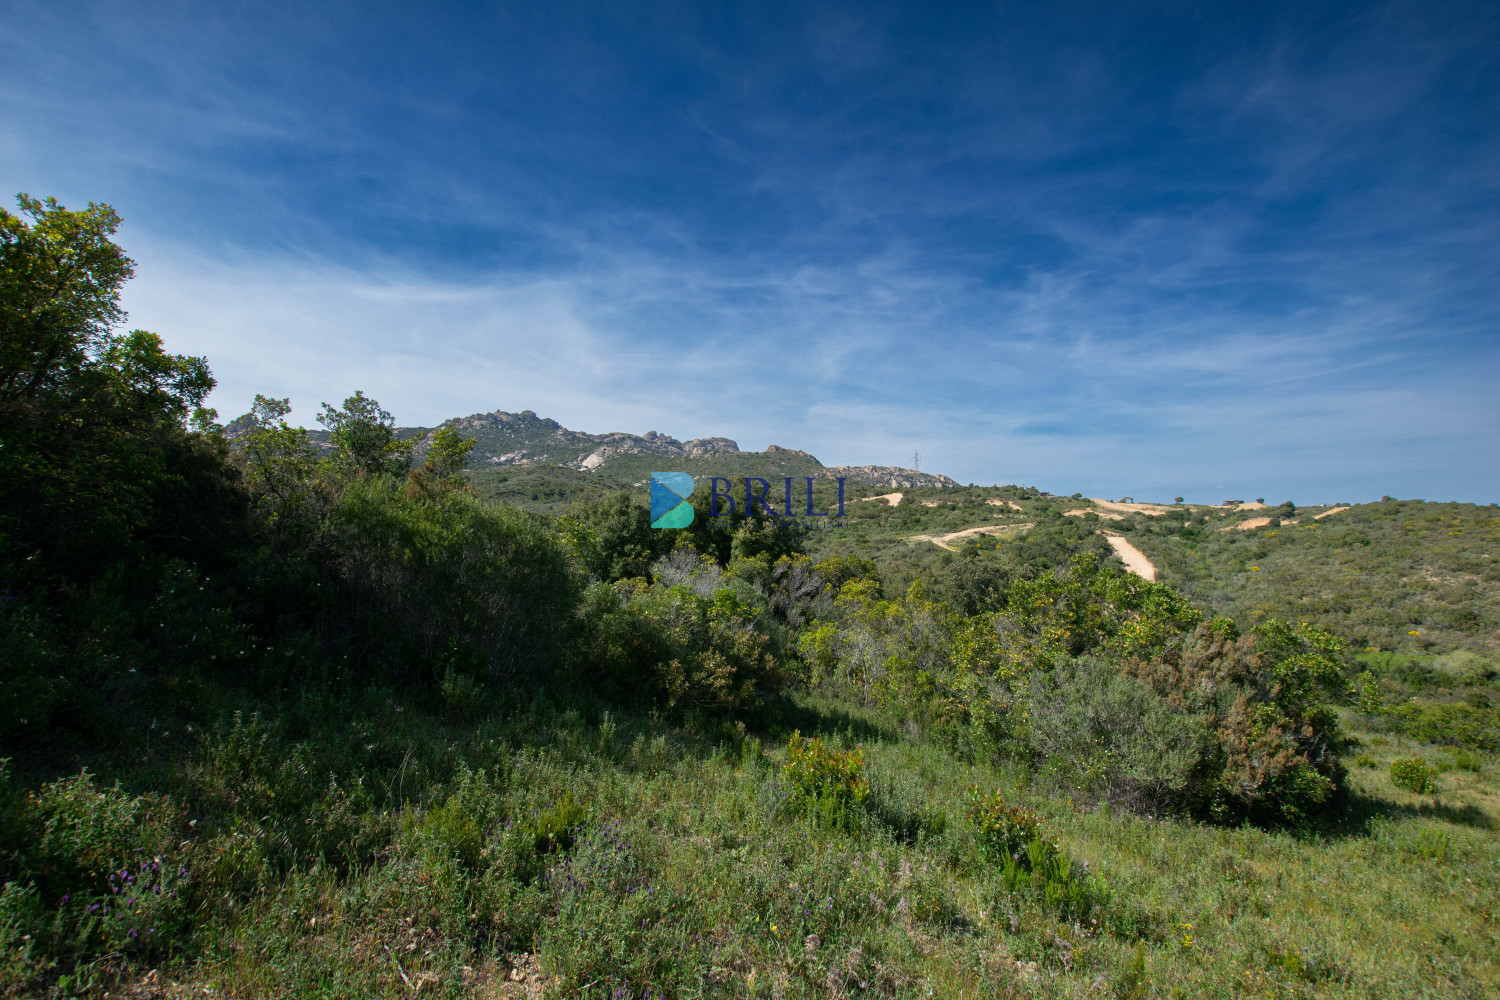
x=371, y=846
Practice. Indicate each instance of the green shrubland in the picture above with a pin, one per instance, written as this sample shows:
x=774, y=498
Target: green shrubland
x=1398, y=575
x=287, y=719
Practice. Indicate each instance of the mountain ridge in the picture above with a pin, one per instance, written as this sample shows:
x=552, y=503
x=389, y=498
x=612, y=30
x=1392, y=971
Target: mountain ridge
x=504, y=439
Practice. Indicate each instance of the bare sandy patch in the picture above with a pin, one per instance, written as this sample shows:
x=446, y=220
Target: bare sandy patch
x=1253, y=505
x=1102, y=513
x=1330, y=512
x=893, y=499
x=1154, y=509
x=1254, y=522
x=1004, y=503
x=1134, y=559
x=928, y=503
x=988, y=529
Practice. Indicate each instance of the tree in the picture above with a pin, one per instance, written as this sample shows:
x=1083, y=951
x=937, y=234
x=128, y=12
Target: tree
x=280, y=465
x=364, y=437
x=612, y=537
x=442, y=466
x=92, y=437
x=449, y=453
x=60, y=280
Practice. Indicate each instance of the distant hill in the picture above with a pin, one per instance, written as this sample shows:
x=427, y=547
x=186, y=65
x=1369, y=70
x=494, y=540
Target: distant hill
x=1394, y=575
x=505, y=440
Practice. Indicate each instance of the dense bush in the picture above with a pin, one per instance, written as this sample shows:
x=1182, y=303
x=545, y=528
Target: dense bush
x=611, y=537
x=1277, y=742
x=1115, y=687
x=1030, y=861
x=1476, y=727
x=914, y=656
x=829, y=784
x=675, y=646
x=1003, y=831
x=1110, y=736
x=979, y=579
x=444, y=580
x=1414, y=775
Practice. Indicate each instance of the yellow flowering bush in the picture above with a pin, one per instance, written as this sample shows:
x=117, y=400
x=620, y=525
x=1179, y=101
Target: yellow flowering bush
x=829, y=784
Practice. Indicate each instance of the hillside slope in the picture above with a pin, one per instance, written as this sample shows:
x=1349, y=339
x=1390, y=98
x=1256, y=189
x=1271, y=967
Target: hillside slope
x=1397, y=575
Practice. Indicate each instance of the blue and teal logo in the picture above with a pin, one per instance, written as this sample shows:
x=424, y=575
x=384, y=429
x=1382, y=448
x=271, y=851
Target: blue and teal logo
x=669, y=499
x=670, y=491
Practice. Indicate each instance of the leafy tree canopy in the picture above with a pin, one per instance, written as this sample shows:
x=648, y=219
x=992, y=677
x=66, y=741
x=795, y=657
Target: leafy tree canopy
x=92, y=419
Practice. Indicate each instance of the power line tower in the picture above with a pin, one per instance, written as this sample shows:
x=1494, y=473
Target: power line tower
x=916, y=460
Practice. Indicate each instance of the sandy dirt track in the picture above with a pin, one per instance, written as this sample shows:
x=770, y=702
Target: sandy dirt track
x=942, y=540
x=1154, y=509
x=893, y=499
x=1102, y=513
x=1134, y=559
x=1330, y=513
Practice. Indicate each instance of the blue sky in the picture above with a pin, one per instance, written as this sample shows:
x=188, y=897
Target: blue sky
x=1190, y=249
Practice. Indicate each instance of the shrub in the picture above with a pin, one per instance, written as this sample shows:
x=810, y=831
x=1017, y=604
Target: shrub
x=1414, y=775
x=98, y=871
x=1463, y=760
x=424, y=576
x=1454, y=723
x=1003, y=831
x=553, y=828
x=1110, y=736
x=1371, y=701
x=611, y=537
x=1434, y=845
x=677, y=649
x=452, y=828
x=1273, y=771
x=829, y=784
x=1277, y=756
x=1091, y=608
x=1031, y=861
x=463, y=694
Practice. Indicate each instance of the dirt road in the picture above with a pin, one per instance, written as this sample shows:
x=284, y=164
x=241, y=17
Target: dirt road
x=1153, y=509
x=942, y=540
x=1135, y=560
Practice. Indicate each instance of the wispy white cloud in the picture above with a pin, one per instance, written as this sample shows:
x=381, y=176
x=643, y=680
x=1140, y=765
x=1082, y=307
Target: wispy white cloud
x=1050, y=266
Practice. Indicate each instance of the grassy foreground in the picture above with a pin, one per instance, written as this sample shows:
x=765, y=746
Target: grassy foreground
x=366, y=846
